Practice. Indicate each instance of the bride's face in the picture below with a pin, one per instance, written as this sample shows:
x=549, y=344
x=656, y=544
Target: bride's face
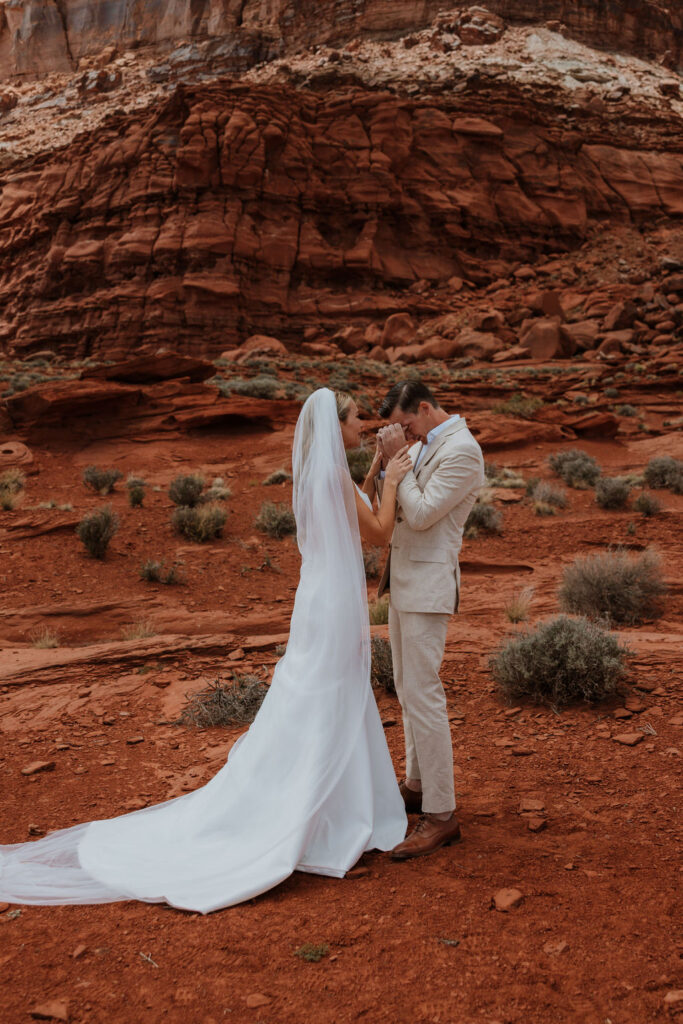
x=352, y=428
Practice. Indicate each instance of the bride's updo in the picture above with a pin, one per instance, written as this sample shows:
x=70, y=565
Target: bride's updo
x=343, y=401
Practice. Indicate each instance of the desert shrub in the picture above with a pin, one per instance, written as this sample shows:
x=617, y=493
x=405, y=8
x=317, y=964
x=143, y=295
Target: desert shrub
x=665, y=472
x=379, y=611
x=11, y=486
x=233, y=703
x=261, y=386
x=519, y=405
x=545, y=492
x=102, y=481
x=372, y=560
x=614, y=586
x=279, y=476
x=311, y=953
x=186, y=490
x=382, y=671
x=483, y=517
x=138, y=631
x=646, y=504
x=612, y=492
x=626, y=410
x=576, y=468
x=275, y=519
x=200, y=524
x=359, y=460
x=517, y=608
x=611, y=392
x=97, y=529
x=562, y=661
x=218, y=491
x=156, y=572
x=136, y=490
x=531, y=485
x=542, y=508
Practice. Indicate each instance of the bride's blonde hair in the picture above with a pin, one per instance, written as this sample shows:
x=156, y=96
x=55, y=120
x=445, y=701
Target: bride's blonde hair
x=343, y=401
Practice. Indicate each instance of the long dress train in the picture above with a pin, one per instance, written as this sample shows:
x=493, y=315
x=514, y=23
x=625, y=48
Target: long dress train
x=308, y=787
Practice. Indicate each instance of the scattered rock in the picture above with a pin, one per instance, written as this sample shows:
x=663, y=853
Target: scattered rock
x=38, y=766
x=528, y=803
x=536, y=824
x=673, y=997
x=132, y=740
x=555, y=948
x=255, y=999
x=56, y=1009
x=359, y=872
x=507, y=899
x=629, y=739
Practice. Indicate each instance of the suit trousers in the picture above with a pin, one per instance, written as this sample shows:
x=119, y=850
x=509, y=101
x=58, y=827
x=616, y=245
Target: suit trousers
x=417, y=645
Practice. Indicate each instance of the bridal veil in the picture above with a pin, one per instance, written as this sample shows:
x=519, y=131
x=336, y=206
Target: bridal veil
x=308, y=786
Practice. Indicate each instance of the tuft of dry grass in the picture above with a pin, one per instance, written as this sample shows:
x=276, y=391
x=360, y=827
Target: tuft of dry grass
x=379, y=611
x=278, y=476
x=97, y=529
x=517, y=608
x=138, y=631
x=547, y=494
x=11, y=487
x=200, y=524
x=45, y=638
x=102, y=481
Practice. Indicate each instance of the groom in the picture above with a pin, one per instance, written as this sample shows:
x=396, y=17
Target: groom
x=423, y=576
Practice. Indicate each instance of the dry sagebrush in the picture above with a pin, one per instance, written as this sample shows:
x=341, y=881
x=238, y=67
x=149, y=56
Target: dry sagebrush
x=611, y=585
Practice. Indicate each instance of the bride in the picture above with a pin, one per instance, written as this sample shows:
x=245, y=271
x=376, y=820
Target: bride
x=310, y=785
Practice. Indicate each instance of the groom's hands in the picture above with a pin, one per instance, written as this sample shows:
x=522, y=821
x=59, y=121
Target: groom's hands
x=390, y=440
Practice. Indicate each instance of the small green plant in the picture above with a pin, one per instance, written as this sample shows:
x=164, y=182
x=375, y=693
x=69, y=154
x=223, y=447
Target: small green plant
x=647, y=505
x=138, y=631
x=663, y=472
x=359, y=460
x=519, y=405
x=276, y=519
x=136, y=491
x=102, y=481
x=156, y=572
x=97, y=529
x=372, y=560
x=279, y=476
x=483, y=517
x=45, y=638
x=379, y=611
x=233, y=703
x=186, y=490
x=578, y=469
x=611, y=585
x=517, y=608
x=200, y=524
x=310, y=953
x=612, y=492
x=382, y=670
x=562, y=661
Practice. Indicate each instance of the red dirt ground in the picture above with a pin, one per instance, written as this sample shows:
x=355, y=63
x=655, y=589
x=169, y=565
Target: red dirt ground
x=597, y=936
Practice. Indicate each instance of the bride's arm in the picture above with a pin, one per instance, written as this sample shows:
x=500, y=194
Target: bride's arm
x=377, y=527
x=369, y=482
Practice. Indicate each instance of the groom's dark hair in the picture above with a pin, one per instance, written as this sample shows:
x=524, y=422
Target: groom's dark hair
x=406, y=395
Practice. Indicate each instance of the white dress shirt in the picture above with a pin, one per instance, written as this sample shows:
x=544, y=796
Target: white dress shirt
x=430, y=437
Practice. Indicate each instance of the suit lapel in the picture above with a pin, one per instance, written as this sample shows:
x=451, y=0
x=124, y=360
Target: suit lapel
x=440, y=441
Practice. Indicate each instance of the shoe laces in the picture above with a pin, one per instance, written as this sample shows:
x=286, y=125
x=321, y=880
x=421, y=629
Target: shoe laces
x=422, y=824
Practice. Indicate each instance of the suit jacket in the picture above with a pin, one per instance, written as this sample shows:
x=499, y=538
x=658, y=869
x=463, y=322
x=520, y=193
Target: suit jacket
x=433, y=504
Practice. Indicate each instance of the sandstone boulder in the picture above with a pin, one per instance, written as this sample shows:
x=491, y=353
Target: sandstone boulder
x=546, y=339
x=479, y=344
x=162, y=365
x=399, y=329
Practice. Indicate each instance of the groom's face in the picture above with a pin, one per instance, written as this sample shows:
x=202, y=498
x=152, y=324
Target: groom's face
x=416, y=425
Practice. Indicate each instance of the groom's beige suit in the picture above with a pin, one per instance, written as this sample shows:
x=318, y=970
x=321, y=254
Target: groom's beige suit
x=423, y=577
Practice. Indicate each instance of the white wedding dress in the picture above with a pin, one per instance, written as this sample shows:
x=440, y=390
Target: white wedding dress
x=308, y=787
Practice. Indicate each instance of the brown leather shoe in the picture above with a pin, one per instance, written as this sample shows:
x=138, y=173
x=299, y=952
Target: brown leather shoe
x=428, y=835
x=411, y=798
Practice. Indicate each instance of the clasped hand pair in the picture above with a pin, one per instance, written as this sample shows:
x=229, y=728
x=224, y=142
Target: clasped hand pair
x=391, y=454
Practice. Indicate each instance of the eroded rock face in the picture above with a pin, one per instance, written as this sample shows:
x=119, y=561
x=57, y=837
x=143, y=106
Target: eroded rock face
x=40, y=36
x=242, y=209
